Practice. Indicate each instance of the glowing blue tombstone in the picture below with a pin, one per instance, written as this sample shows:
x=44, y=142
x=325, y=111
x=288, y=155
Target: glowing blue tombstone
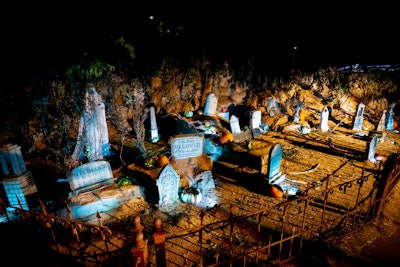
x=358, y=121
x=274, y=174
x=389, y=118
x=372, y=148
x=17, y=181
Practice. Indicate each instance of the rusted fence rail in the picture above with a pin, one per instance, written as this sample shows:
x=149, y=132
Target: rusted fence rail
x=268, y=235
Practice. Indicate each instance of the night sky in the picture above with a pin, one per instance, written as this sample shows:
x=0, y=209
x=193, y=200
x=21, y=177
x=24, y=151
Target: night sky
x=270, y=35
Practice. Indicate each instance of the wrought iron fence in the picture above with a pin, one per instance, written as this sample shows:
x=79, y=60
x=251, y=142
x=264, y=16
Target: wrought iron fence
x=269, y=235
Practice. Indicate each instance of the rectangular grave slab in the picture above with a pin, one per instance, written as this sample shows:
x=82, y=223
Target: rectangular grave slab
x=91, y=177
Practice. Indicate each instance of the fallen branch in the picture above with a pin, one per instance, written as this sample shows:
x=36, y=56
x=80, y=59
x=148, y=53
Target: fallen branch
x=310, y=170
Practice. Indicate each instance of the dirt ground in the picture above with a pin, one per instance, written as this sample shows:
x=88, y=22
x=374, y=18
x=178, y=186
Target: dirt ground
x=333, y=153
x=309, y=158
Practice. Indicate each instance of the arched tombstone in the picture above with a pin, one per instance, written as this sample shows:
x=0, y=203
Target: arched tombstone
x=168, y=188
x=274, y=173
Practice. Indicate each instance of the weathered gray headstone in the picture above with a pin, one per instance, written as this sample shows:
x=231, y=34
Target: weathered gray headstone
x=168, y=188
x=324, y=120
x=187, y=146
x=358, y=121
x=211, y=105
x=235, y=126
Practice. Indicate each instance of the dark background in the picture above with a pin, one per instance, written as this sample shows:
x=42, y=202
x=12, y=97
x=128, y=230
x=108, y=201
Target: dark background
x=263, y=33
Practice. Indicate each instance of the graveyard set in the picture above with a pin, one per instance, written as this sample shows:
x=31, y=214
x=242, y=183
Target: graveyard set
x=215, y=157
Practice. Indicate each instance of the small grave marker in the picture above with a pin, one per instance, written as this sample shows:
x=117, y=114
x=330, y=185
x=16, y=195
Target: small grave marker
x=324, y=120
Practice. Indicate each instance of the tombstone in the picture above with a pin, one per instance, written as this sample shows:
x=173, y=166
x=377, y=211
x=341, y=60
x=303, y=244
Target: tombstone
x=187, y=146
x=91, y=177
x=382, y=122
x=372, y=148
x=93, y=142
x=297, y=114
x=274, y=174
x=206, y=185
x=154, y=137
x=168, y=188
x=273, y=107
x=18, y=184
x=12, y=162
x=324, y=120
x=358, y=120
x=235, y=126
x=389, y=121
x=255, y=120
x=211, y=105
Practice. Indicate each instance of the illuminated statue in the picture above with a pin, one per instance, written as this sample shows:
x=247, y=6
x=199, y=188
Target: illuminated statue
x=93, y=142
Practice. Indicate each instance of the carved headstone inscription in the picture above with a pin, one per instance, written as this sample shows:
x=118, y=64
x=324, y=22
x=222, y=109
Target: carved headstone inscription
x=90, y=177
x=168, y=187
x=187, y=146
